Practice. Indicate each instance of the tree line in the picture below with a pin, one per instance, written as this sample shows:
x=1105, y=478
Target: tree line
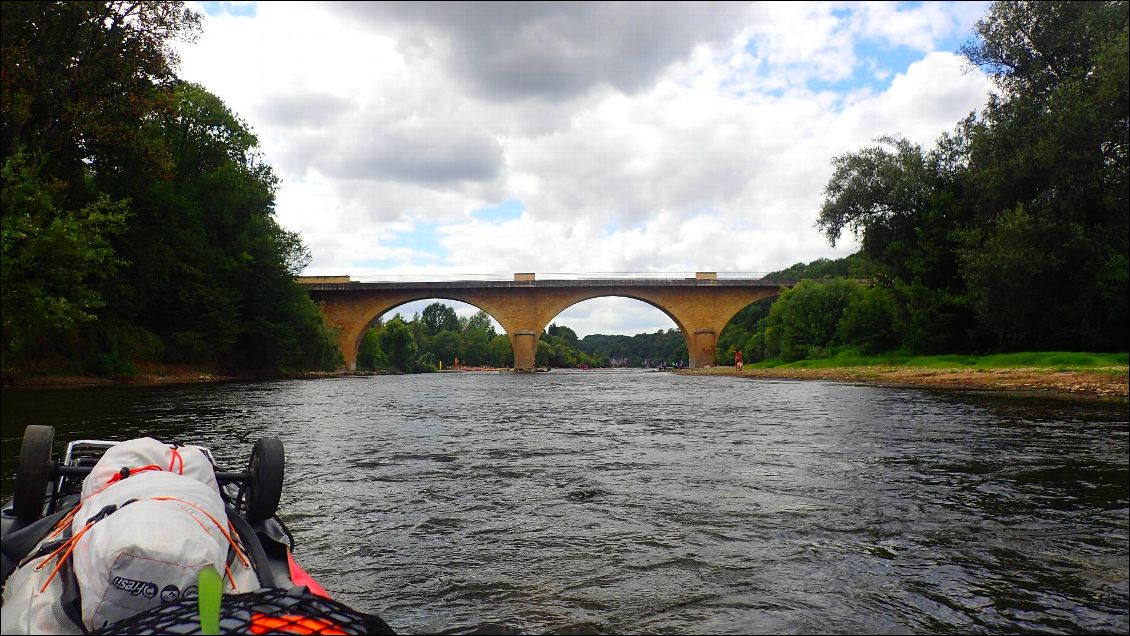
x=437, y=338
x=138, y=213
x=434, y=339
x=1011, y=233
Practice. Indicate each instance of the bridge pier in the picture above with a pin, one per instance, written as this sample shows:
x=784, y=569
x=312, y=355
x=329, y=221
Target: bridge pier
x=700, y=348
x=525, y=345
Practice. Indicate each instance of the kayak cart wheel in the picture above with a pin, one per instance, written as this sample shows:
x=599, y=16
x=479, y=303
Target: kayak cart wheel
x=35, y=472
x=264, y=479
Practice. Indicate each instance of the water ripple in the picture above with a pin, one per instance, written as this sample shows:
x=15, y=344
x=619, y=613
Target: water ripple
x=646, y=502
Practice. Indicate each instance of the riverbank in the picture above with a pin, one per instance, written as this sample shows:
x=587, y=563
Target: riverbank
x=1110, y=382
x=1099, y=382
x=149, y=374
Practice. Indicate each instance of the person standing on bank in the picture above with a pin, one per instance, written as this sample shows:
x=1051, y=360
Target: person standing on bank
x=738, y=359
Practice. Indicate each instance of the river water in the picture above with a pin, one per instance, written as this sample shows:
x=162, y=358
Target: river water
x=636, y=501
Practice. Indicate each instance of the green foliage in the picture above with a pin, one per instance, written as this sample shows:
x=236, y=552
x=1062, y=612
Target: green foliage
x=425, y=363
x=398, y=343
x=1055, y=360
x=804, y=322
x=370, y=357
x=1012, y=232
x=1050, y=166
x=868, y=322
x=544, y=352
x=478, y=332
x=446, y=347
x=501, y=352
x=52, y=259
x=853, y=266
x=645, y=349
x=439, y=317
x=567, y=335
x=473, y=342
x=107, y=156
x=80, y=81
x=480, y=323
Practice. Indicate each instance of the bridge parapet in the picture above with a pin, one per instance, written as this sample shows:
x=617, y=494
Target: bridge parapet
x=321, y=280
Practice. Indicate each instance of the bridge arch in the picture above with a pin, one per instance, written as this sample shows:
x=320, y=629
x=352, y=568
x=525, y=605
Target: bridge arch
x=700, y=307
x=352, y=319
x=637, y=297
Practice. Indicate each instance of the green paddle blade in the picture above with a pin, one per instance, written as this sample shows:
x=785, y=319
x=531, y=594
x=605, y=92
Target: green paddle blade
x=210, y=588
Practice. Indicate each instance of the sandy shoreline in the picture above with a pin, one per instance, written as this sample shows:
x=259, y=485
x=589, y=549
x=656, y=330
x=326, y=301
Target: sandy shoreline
x=1100, y=383
x=1108, y=383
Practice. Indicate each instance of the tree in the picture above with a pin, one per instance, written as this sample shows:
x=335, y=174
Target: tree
x=107, y=156
x=52, y=260
x=206, y=232
x=900, y=202
x=543, y=354
x=446, y=346
x=566, y=334
x=869, y=322
x=501, y=351
x=438, y=317
x=1048, y=164
x=481, y=322
x=1016, y=223
x=803, y=322
x=369, y=355
x=80, y=81
x=1031, y=49
x=398, y=344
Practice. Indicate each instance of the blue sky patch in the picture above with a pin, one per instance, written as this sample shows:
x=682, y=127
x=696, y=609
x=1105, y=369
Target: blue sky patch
x=878, y=63
x=422, y=238
x=238, y=9
x=377, y=262
x=508, y=210
x=878, y=60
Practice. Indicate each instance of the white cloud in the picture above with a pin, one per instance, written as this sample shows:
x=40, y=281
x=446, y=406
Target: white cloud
x=918, y=27
x=549, y=49
x=638, y=137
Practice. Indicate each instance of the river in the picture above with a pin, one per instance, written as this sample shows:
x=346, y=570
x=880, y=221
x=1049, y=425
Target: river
x=636, y=501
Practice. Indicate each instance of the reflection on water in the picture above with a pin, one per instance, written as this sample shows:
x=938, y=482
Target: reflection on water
x=650, y=502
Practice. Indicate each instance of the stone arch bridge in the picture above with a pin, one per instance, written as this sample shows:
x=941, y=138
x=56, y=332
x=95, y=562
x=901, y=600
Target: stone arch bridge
x=700, y=306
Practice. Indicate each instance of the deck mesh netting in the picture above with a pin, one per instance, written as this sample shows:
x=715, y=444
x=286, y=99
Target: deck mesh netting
x=265, y=611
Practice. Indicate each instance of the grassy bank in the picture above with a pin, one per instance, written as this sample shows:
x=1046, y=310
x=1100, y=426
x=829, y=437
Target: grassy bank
x=1052, y=360
x=1101, y=375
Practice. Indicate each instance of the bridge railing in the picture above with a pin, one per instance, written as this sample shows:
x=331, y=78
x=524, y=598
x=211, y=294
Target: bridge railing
x=427, y=278
x=644, y=275
x=433, y=277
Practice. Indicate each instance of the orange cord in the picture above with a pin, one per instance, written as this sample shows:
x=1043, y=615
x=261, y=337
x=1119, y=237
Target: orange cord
x=238, y=551
x=174, y=458
x=70, y=543
x=70, y=546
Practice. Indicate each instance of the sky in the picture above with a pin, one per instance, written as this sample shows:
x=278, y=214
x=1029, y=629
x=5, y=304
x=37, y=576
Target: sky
x=446, y=141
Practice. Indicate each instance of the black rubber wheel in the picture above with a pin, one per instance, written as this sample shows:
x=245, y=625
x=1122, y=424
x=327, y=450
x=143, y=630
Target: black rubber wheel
x=35, y=472
x=265, y=479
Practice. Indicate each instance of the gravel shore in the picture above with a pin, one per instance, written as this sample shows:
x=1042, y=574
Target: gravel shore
x=1103, y=382
x=1110, y=383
